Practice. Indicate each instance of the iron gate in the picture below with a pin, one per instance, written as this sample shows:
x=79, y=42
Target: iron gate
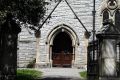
x=92, y=61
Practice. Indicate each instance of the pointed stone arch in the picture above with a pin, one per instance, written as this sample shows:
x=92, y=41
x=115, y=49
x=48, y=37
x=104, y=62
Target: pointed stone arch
x=105, y=14
x=117, y=19
x=62, y=28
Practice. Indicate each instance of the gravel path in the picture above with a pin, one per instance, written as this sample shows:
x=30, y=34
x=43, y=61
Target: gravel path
x=61, y=74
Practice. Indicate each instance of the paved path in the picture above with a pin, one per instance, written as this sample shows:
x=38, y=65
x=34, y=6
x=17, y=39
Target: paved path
x=61, y=74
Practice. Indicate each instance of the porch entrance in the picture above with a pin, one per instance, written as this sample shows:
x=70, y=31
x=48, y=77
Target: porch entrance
x=62, y=51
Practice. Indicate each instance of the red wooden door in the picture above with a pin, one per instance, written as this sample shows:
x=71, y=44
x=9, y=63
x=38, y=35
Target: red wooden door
x=62, y=59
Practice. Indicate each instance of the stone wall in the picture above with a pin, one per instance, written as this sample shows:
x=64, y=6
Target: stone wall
x=61, y=15
x=26, y=48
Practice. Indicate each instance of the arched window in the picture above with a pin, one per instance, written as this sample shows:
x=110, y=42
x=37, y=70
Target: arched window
x=117, y=19
x=105, y=15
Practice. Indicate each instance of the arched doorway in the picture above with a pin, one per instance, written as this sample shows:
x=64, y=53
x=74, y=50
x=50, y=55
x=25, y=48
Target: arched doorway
x=62, y=39
x=62, y=50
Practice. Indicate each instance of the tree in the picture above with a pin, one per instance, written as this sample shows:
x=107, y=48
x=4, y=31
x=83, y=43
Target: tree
x=27, y=11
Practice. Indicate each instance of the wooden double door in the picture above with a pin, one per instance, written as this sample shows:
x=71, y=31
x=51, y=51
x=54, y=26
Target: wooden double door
x=62, y=59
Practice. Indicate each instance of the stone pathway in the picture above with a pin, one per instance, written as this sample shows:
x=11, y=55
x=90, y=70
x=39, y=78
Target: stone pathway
x=61, y=74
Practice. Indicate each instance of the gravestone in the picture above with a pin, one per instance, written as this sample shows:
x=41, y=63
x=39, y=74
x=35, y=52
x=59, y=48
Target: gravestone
x=108, y=36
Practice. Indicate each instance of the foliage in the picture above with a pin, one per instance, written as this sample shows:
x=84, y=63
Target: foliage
x=83, y=74
x=25, y=74
x=31, y=64
x=30, y=11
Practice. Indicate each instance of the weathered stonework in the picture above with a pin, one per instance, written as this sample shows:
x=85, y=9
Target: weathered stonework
x=62, y=18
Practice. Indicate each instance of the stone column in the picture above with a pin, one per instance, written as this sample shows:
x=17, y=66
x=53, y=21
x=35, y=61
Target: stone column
x=86, y=45
x=108, y=57
x=74, y=53
x=37, y=35
x=50, y=55
x=77, y=56
x=73, y=60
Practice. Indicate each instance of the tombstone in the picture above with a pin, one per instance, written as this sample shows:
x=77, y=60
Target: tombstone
x=108, y=36
x=8, y=48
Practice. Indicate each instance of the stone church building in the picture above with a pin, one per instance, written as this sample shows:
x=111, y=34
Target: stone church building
x=63, y=41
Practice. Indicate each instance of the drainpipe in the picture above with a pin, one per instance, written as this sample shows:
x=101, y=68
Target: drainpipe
x=94, y=13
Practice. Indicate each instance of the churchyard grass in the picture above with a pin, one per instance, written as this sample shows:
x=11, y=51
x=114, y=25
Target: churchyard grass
x=26, y=74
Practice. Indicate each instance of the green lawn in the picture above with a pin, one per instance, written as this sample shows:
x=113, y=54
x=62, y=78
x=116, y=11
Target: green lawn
x=83, y=74
x=25, y=74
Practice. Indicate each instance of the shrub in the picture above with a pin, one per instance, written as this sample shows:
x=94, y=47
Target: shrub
x=31, y=64
x=83, y=74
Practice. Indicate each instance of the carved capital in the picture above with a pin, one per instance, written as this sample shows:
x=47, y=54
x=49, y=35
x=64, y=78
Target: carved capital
x=37, y=34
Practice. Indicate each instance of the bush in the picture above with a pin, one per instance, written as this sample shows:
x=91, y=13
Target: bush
x=31, y=64
x=25, y=74
x=83, y=74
